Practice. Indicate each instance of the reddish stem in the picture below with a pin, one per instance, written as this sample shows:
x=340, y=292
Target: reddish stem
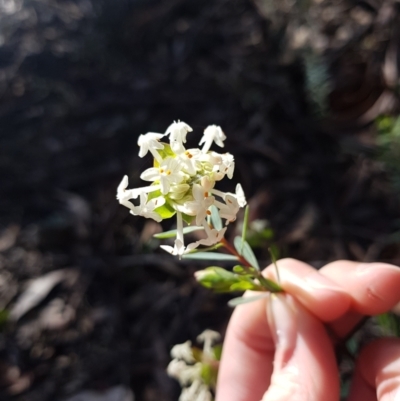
x=233, y=251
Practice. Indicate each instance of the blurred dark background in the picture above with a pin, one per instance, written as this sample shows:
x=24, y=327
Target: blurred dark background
x=307, y=94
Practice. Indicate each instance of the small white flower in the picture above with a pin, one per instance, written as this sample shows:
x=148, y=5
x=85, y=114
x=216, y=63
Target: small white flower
x=183, y=351
x=123, y=195
x=184, y=373
x=201, y=203
x=241, y=197
x=207, y=183
x=233, y=202
x=210, y=163
x=213, y=133
x=190, y=373
x=146, y=208
x=144, y=190
x=229, y=209
x=228, y=165
x=169, y=172
x=150, y=143
x=177, y=132
x=190, y=160
x=213, y=159
x=198, y=391
x=208, y=337
x=213, y=236
x=176, y=368
x=179, y=248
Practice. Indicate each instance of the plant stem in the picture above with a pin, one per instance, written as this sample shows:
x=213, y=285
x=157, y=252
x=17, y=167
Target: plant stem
x=233, y=251
x=246, y=265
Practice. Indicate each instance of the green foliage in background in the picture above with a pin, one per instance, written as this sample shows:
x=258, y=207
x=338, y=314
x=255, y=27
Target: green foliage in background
x=388, y=141
x=389, y=324
x=318, y=84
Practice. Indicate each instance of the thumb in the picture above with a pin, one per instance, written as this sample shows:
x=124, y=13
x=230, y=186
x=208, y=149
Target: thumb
x=304, y=363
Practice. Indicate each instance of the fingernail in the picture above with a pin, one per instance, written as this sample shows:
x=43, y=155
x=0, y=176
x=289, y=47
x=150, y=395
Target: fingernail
x=397, y=395
x=363, y=268
x=283, y=323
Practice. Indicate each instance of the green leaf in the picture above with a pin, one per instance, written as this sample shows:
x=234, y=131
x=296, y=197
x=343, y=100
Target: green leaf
x=238, y=244
x=249, y=256
x=167, y=151
x=244, y=286
x=274, y=252
x=209, y=248
x=187, y=219
x=172, y=233
x=248, y=270
x=345, y=386
x=209, y=374
x=209, y=256
x=166, y=211
x=352, y=345
x=245, y=300
x=216, y=278
x=247, y=253
x=217, y=350
x=238, y=269
x=215, y=218
x=267, y=233
x=222, y=280
x=244, y=228
x=388, y=323
x=197, y=354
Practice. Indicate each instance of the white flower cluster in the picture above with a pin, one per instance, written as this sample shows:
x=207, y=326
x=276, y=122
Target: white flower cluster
x=183, y=183
x=188, y=371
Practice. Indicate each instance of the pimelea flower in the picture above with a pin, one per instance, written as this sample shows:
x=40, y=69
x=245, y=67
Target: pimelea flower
x=183, y=184
x=167, y=173
x=177, y=132
x=201, y=203
x=146, y=208
x=196, y=392
x=183, y=351
x=195, y=373
x=213, y=133
x=150, y=143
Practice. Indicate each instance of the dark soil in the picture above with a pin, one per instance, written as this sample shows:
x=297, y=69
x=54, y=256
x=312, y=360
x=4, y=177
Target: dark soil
x=80, y=80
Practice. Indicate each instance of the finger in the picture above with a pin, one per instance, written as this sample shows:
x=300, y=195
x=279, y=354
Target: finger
x=248, y=352
x=377, y=375
x=304, y=363
x=298, y=354
x=318, y=293
x=360, y=390
x=374, y=288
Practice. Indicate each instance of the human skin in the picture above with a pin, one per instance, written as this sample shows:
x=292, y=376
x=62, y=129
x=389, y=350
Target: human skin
x=282, y=348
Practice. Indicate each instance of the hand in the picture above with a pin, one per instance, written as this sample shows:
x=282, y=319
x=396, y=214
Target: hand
x=279, y=348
